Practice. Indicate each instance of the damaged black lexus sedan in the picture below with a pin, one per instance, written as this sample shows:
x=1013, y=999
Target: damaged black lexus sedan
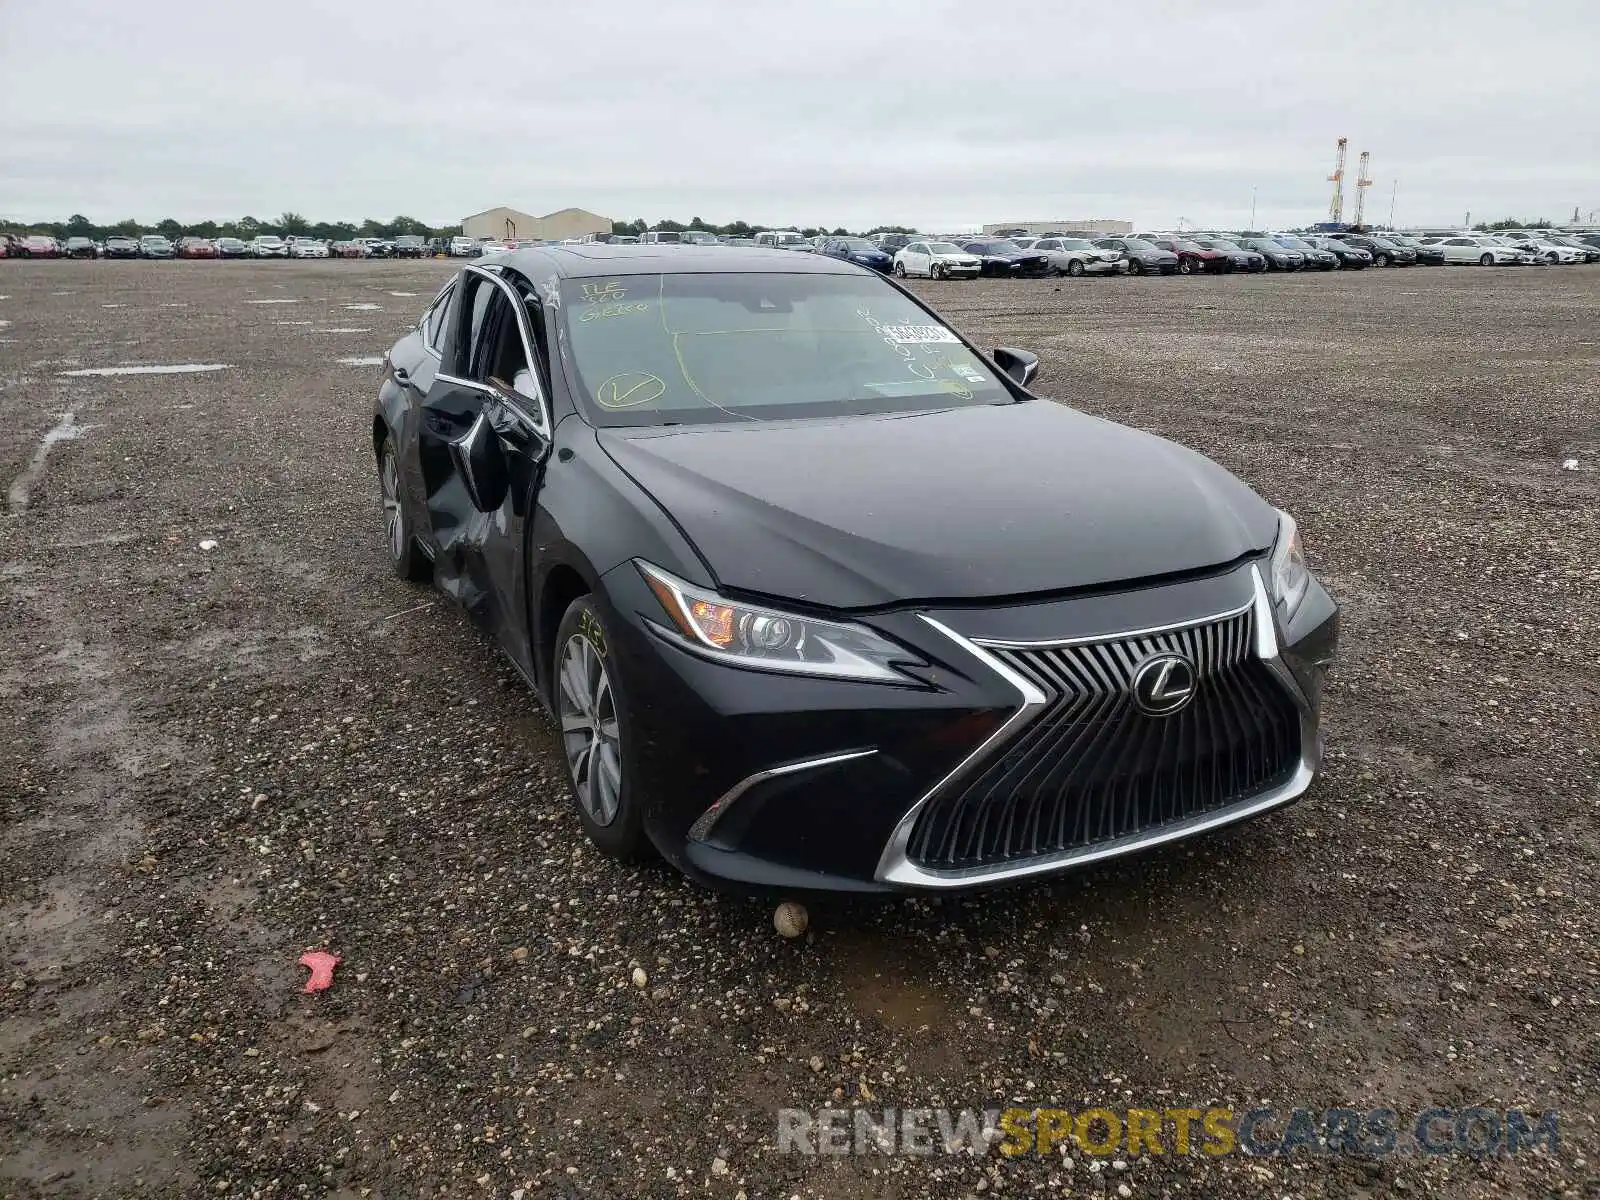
x=824, y=598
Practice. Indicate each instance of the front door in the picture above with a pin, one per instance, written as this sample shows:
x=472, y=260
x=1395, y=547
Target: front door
x=484, y=435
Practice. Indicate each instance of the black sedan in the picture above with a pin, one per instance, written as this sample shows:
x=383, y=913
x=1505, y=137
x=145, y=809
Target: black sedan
x=1316, y=257
x=1279, y=257
x=858, y=250
x=1384, y=252
x=1143, y=257
x=822, y=597
x=1350, y=257
x=1239, y=259
x=1427, y=256
x=79, y=247
x=120, y=246
x=1001, y=256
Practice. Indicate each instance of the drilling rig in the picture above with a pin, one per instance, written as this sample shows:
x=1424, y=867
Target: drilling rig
x=1362, y=184
x=1336, y=209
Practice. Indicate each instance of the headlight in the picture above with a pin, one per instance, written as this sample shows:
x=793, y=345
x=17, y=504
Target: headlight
x=1291, y=579
x=770, y=640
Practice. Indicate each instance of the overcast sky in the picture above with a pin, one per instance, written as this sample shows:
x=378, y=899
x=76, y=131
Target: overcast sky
x=806, y=112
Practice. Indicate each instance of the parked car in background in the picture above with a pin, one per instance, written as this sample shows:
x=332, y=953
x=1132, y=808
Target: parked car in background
x=1554, y=252
x=1464, y=248
x=1193, y=258
x=307, y=248
x=410, y=245
x=232, y=247
x=269, y=245
x=857, y=250
x=1279, y=258
x=893, y=243
x=782, y=239
x=119, y=245
x=154, y=245
x=1590, y=252
x=80, y=247
x=984, y=637
x=1384, y=252
x=460, y=247
x=698, y=237
x=346, y=249
x=196, y=247
x=1144, y=258
x=1239, y=258
x=492, y=246
x=1003, y=257
x=1348, y=256
x=936, y=260
x=1079, y=256
x=1316, y=257
x=741, y=241
x=1427, y=256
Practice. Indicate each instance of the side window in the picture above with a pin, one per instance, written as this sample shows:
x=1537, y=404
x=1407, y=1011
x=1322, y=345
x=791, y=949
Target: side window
x=497, y=353
x=436, y=317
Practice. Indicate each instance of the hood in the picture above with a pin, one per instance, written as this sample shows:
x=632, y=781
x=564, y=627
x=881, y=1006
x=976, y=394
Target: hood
x=963, y=504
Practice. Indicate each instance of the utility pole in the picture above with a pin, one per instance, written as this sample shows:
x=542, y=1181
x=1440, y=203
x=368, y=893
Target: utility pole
x=1393, y=191
x=1252, y=208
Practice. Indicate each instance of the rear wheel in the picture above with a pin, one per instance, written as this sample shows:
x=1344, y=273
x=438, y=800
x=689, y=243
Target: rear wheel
x=406, y=560
x=591, y=705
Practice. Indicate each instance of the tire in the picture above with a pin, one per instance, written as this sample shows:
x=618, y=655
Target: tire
x=1135, y=267
x=936, y=271
x=1554, y=259
x=1380, y=260
x=1486, y=261
x=900, y=270
x=1185, y=267
x=405, y=559
x=591, y=703
x=1075, y=267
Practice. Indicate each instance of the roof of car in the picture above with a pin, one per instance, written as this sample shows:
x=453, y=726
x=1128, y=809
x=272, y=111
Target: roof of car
x=600, y=258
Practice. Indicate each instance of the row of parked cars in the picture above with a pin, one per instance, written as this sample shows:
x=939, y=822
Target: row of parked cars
x=155, y=245
x=1193, y=253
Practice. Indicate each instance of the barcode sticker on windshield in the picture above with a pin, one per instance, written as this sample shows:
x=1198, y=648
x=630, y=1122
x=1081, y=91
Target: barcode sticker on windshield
x=914, y=335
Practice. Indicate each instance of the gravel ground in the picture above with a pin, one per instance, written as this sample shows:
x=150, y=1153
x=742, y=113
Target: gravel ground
x=216, y=757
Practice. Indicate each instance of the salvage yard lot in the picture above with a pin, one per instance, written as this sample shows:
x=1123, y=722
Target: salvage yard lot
x=212, y=760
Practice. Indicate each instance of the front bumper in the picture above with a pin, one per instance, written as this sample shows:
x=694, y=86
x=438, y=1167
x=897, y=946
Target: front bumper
x=770, y=782
x=1105, y=266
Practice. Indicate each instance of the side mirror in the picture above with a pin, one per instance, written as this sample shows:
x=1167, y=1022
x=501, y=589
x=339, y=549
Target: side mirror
x=1021, y=365
x=481, y=463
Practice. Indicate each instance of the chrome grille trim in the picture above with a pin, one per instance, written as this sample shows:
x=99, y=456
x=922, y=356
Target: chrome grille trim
x=1252, y=639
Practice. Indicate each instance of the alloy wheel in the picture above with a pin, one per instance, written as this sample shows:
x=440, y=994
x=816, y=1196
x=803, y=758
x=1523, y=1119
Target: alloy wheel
x=394, y=521
x=590, y=734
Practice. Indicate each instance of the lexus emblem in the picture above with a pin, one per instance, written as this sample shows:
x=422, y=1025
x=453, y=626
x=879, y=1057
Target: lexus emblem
x=1163, y=684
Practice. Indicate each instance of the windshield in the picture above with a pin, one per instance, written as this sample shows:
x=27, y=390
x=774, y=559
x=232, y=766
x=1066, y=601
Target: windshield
x=1139, y=244
x=692, y=348
x=1224, y=244
x=857, y=244
x=1294, y=243
x=699, y=238
x=943, y=248
x=1076, y=244
x=1002, y=246
x=1185, y=244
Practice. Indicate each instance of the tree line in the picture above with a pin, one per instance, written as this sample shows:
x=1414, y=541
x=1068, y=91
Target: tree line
x=291, y=224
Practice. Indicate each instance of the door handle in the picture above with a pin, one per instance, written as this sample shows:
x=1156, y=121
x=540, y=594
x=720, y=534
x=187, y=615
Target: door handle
x=401, y=375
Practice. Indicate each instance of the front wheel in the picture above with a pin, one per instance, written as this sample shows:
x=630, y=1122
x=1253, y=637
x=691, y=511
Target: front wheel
x=1135, y=267
x=936, y=271
x=1075, y=267
x=1381, y=260
x=1486, y=261
x=900, y=270
x=591, y=705
x=1185, y=267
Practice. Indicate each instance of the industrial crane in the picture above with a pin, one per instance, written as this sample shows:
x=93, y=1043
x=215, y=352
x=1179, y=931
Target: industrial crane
x=1336, y=209
x=1362, y=184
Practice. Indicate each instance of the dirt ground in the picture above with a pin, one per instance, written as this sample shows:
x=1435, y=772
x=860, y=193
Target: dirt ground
x=228, y=736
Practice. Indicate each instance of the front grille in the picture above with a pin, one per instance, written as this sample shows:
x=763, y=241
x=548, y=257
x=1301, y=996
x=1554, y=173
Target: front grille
x=1092, y=767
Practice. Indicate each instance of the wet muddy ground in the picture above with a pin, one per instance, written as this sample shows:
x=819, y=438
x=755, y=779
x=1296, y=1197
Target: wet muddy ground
x=228, y=736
